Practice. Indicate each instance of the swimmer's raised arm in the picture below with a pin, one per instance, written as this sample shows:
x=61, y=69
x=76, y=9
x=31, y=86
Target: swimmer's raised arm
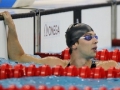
x=15, y=50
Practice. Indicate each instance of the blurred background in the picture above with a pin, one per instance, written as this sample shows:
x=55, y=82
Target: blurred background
x=47, y=20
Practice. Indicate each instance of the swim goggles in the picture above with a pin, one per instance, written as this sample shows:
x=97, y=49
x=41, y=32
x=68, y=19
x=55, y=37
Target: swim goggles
x=89, y=37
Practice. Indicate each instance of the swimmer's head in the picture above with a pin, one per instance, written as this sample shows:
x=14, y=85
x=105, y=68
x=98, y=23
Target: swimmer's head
x=75, y=31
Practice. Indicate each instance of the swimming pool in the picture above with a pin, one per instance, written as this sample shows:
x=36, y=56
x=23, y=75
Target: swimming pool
x=66, y=82
x=51, y=80
x=58, y=78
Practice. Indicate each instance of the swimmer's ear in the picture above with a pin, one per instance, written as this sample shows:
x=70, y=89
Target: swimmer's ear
x=74, y=46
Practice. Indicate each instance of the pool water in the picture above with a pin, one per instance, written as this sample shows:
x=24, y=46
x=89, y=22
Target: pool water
x=65, y=81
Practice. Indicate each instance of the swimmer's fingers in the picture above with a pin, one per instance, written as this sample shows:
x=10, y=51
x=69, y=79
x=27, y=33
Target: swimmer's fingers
x=2, y=13
x=7, y=17
x=5, y=14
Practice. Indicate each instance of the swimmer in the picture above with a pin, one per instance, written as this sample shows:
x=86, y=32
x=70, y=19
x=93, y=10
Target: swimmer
x=80, y=38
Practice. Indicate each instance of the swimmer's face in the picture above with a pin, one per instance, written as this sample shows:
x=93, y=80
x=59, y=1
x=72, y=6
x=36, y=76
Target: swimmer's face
x=87, y=45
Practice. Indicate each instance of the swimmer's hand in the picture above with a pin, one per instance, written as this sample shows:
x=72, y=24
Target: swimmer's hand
x=7, y=17
x=108, y=64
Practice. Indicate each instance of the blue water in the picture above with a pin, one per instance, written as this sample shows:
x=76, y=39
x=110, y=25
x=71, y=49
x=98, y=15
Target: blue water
x=66, y=82
x=50, y=81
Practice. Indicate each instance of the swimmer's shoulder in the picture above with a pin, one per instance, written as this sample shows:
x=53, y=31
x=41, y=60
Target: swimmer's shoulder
x=53, y=61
